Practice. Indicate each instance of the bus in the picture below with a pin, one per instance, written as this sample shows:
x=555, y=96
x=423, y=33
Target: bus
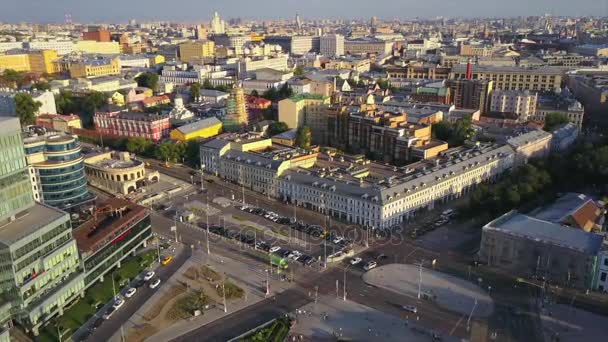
x=279, y=262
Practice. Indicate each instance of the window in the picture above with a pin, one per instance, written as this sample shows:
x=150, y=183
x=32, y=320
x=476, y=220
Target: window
x=603, y=276
x=605, y=261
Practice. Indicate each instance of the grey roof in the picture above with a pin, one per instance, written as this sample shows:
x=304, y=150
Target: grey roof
x=198, y=125
x=252, y=159
x=545, y=232
x=38, y=216
x=289, y=134
x=212, y=93
x=527, y=138
x=216, y=144
x=543, y=70
x=307, y=178
x=563, y=207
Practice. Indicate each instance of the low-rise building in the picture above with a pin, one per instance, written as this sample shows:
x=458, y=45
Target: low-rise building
x=530, y=247
x=94, y=66
x=564, y=137
x=201, y=129
x=132, y=124
x=532, y=144
x=61, y=123
x=117, y=172
x=574, y=210
x=521, y=103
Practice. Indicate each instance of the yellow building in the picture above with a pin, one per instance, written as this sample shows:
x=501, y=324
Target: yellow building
x=43, y=61
x=202, y=129
x=544, y=78
x=91, y=46
x=196, y=51
x=18, y=62
x=157, y=59
x=118, y=99
x=303, y=109
x=94, y=67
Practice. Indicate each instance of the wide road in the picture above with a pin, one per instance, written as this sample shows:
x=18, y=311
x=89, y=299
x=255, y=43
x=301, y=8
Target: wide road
x=114, y=324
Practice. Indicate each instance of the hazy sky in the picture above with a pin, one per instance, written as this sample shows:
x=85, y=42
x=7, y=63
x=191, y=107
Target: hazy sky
x=200, y=10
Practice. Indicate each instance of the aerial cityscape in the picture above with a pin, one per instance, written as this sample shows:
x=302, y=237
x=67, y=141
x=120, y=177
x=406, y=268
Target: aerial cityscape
x=304, y=171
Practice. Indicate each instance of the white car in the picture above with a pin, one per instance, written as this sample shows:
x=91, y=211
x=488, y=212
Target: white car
x=130, y=292
x=410, y=308
x=370, y=265
x=118, y=303
x=355, y=261
x=274, y=249
x=338, y=239
x=155, y=283
x=149, y=275
x=294, y=255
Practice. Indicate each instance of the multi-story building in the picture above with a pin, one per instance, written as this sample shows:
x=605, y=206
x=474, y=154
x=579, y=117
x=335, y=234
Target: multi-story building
x=237, y=116
x=42, y=61
x=306, y=110
x=218, y=26
x=117, y=172
x=471, y=94
x=247, y=66
x=201, y=129
x=196, y=51
x=63, y=47
x=132, y=124
x=40, y=267
x=367, y=46
x=97, y=34
x=533, y=144
x=61, y=123
x=331, y=45
x=57, y=169
x=419, y=70
x=15, y=61
x=94, y=67
x=233, y=41
x=521, y=103
x=116, y=230
x=295, y=45
x=45, y=98
x=102, y=48
x=476, y=50
x=532, y=247
x=356, y=64
x=546, y=78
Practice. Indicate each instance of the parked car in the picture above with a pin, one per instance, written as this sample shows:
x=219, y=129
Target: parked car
x=275, y=249
x=149, y=275
x=118, y=303
x=130, y=292
x=370, y=265
x=355, y=261
x=155, y=283
x=97, y=323
x=410, y=308
x=109, y=313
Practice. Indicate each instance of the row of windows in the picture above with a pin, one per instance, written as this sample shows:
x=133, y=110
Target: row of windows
x=32, y=245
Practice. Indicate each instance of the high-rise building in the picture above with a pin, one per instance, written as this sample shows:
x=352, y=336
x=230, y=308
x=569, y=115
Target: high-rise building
x=97, y=34
x=332, y=45
x=470, y=94
x=218, y=26
x=40, y=267
x=57, y=169
x=236, y=110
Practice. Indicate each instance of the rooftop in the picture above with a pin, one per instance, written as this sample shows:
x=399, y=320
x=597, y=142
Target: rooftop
x=29, y=221
x=198, y=125
x=460, y=68
x=531, y=228
x=306, y=96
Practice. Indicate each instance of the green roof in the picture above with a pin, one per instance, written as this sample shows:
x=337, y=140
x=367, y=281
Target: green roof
x=306, y=96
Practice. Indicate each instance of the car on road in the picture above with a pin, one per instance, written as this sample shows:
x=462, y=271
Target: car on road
x=371, y=264
x=274, y=249
x=154, y=284
x=118, y=303
x=149, y=275
x=338, y=239
x=410, y=308
x=355, y=261
x=167, y=260
x=294, y=255
x=97, y=323
x=109, y=313
x=130, y=292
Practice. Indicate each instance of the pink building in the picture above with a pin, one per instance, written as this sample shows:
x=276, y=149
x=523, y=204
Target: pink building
x=132, y=124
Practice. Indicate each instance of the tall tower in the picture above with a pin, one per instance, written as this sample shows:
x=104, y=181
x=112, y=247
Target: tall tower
x=373, y=23
x=298, y=23
x=218, y=26
x=236, y=110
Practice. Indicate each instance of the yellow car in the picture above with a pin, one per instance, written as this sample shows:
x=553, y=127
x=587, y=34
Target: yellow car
x=167, y=260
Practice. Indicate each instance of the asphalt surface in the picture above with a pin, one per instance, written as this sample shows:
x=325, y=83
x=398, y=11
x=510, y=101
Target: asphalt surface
x=249, y=318
x=114, y=324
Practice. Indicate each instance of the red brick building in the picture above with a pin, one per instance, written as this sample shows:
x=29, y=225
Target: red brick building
x=97, y=35
x=132, y=124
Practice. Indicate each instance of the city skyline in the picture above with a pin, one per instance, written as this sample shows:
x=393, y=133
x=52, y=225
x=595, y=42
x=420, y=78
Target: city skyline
x=190, y=10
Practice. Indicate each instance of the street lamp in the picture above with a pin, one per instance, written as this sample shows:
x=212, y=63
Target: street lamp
x=471, y=314
x=345, y=269
x=202, y=177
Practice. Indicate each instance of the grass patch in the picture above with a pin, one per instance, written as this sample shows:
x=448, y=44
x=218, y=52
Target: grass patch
x=184, y=307
x=209, y=274
x=239, y=218
x=276, y=332
x=174, y=291
x=232, y=290
x=100, y=293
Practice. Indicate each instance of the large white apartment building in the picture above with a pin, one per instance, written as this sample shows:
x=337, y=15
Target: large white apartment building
x=521, y=103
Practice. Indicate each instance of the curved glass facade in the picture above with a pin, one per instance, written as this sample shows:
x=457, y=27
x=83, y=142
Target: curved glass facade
x=60, y=174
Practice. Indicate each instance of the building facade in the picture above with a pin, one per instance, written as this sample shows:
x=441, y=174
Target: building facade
x=471, y=94
x=57, y=170
x=332, y=45
x=545, y=78
x=196, y=51
x=132, y=124
x=521, y=103
x=117, y=172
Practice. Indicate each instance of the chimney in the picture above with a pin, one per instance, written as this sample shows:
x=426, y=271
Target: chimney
x=469, y=70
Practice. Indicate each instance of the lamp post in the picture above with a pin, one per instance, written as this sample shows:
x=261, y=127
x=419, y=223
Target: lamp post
x=344, y=284
x=207, y=218
x=471, y=314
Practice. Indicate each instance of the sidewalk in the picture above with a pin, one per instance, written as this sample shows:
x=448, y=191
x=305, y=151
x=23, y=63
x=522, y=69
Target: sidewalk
x=250, y=277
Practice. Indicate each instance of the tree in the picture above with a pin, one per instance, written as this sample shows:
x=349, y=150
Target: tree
x=65, y=102
x=207, y=84
x=271, y=94
x=254, y=93
x=12, y=78
x=285, y=92
x=26, y=108
x=90, y=104
x=298, y=71
x=42, y=85
x=141, y=146
x=192, y=153
x=554, y=120
x=383, y=84
x=195, y=91
x=147, y=79
x=304, y=137
x=277, y=128
x=455, y=134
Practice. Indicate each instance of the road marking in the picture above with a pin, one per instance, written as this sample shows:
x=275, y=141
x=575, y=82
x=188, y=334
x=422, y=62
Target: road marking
x=410, y=253
x=457, y=324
